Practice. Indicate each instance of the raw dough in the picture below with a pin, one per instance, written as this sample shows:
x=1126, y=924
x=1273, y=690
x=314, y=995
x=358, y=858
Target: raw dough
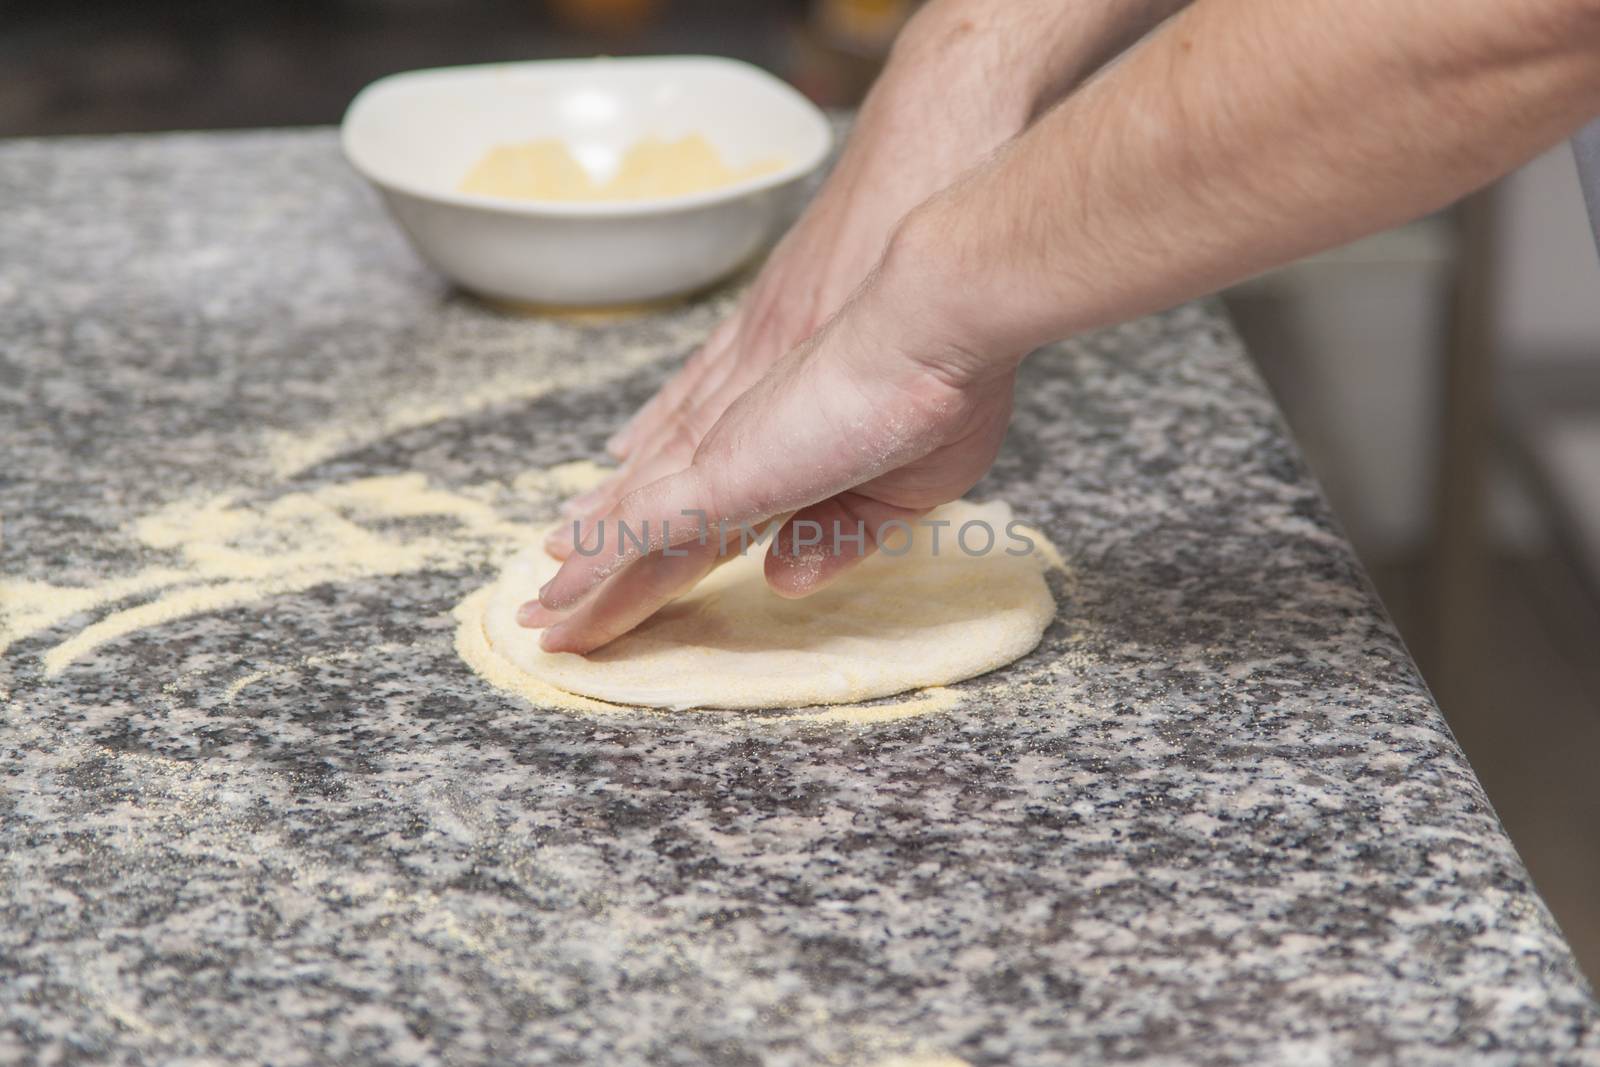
x=896, y=623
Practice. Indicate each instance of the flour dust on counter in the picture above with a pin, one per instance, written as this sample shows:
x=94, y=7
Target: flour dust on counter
x=1214, y=817
x=228, y=551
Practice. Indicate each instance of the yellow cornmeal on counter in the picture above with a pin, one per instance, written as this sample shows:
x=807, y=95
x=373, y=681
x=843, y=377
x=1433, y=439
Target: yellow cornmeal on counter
x=547, y=170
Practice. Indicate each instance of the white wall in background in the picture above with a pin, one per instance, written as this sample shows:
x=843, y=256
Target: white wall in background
x=1362, y=328
x=1547, y=307
x=1548, y=273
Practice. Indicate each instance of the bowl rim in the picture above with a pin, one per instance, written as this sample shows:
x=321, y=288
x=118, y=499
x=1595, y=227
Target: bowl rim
x=655, y=205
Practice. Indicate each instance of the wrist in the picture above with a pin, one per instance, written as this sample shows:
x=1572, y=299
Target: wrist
x=944, y=315
x=1021, y=54
x=955, y=63
x=1025, y=54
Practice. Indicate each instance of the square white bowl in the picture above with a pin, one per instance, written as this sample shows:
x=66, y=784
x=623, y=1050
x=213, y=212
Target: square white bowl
x=416, y=135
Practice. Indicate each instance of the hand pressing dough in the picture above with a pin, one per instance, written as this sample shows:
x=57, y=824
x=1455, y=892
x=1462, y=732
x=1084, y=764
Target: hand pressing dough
x=893, y=624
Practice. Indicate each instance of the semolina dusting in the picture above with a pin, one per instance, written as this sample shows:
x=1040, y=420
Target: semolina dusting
x=651, y=168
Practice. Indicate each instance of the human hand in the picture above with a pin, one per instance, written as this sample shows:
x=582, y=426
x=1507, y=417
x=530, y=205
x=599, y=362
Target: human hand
x=868, y=422
x=938, y=109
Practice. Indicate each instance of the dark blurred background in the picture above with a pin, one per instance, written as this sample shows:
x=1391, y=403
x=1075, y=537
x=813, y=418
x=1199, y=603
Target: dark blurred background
x=1443, y=378
x=95, y=66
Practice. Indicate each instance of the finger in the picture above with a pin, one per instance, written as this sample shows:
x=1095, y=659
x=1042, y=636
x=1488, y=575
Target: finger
x=576, y=505
x=753, y=348
x=644, y=521
x=561, y=540
x=775, y=449
x=631, y=597
x=602, y=496
x=824, y=541
x=592, y=629
x=678, y=390
x=671, y=395
x=577, y=529
x=690, y=505
x=535, y=616
x=737, y=365
x=678, y=433
x=580, y=528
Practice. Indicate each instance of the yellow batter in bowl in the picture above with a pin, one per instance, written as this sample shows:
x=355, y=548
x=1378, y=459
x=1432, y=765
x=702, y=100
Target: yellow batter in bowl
x=651, y=168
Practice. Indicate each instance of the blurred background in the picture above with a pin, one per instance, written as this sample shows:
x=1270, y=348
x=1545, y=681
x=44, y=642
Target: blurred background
x=1443, y=378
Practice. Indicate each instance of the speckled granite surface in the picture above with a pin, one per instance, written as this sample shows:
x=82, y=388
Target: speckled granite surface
x=1215, y=819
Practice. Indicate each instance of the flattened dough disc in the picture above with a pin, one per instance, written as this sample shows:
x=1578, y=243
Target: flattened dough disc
x=895, y=623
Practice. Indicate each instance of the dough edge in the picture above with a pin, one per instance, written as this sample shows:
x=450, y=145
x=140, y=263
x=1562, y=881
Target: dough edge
x=507, y=655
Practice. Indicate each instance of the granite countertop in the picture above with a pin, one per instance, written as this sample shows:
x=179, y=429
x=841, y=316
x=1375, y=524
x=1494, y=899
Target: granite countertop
x=1215, y=818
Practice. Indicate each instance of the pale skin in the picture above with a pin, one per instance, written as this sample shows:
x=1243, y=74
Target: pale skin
x=867, y=375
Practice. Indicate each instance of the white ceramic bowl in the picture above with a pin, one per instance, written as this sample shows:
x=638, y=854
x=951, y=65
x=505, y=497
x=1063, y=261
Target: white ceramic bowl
x=416, y=135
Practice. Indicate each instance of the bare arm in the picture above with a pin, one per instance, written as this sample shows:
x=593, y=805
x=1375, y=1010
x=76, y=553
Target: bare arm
x=965, y=76
x=1241, y=134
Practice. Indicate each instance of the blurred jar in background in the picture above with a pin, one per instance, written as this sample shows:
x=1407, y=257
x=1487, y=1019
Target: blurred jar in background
x=842, y=45
x=610, y=18
x=866, y=27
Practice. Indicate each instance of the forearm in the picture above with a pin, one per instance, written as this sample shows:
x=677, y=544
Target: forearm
x=966, y=76
x=1023, y=55
x=1238, y=136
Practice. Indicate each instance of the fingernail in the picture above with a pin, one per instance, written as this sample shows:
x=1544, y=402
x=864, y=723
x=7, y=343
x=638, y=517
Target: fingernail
x=551, y=639
x=545, y=588
x=535, y=616
x=617, y=443
x=558, y=540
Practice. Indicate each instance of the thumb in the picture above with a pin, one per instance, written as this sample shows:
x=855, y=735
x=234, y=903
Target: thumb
x=825, y=540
